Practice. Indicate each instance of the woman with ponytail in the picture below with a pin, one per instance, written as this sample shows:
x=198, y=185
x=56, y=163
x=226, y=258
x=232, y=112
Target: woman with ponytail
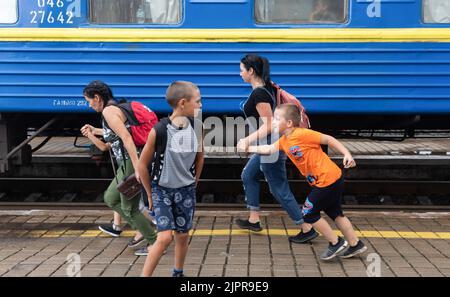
x=258, y=108
x=116, y=133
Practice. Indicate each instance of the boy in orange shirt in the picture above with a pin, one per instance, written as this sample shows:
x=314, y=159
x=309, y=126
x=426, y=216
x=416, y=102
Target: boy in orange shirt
x=303, y=148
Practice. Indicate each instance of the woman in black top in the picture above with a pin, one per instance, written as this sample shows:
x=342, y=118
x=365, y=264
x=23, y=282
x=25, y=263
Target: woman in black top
x=258, y=108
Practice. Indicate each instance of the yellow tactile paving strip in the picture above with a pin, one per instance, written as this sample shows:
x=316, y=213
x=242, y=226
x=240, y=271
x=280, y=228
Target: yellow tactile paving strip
x=227, y=232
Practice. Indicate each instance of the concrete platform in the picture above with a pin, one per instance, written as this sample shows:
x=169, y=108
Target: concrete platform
x=410, y=151
x=38, y=243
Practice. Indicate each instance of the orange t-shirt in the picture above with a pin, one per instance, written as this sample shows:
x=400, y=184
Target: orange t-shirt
x=304, y=150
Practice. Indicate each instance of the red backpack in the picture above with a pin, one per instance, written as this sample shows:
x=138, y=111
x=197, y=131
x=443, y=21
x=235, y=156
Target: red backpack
x=284, y=97
x=141, y=118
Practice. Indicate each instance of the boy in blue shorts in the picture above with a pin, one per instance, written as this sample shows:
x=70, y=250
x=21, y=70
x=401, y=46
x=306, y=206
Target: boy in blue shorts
x=175, y=149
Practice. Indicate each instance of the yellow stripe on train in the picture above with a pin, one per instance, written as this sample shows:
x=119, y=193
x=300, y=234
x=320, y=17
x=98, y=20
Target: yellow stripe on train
x=226, y=35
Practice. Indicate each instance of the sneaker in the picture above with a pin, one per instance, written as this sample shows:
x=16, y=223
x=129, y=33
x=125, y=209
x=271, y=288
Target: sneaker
x=359, y=248
x=245, y=224
x=134, y=243
x=176, y=273
x=109, y=229
x=334, y=250
x=144, y=251
x=304, y=237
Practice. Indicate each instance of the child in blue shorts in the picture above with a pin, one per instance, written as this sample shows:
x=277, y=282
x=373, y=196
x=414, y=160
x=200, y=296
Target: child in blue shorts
x=175, y=148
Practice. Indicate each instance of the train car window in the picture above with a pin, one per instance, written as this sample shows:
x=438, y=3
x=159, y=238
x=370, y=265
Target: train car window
x=135, y=11
x=436, y=11
x=300, y=11
x=8, y=12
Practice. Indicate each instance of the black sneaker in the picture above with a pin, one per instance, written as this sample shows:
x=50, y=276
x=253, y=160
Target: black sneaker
x=304, y=237
x=136, y=243
x=359, y=248
x=245, y=224
x=334, y=250
x=109, y=229
x=144, y=251
x=177, y=273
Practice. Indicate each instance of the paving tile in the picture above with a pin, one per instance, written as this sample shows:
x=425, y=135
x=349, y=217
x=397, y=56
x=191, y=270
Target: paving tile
x=260, y=273
x=211, y=273
x=237, y=260
x=429, y=272
x=334, y=274
x=230, y=272
x=396, y=262
x=404, y=272
x=39, y=246
x=114, y=273
x=20, y=270
x=356, y=272
x=309, y=273
x=284, y=273
x=445, y=271
x=135, y=272
x=441, y=262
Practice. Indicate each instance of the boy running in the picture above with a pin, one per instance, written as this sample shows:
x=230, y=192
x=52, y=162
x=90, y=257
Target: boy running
x=303, y=148
x=176, y=153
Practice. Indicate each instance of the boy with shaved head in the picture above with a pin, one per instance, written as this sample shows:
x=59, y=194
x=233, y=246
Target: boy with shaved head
x=175, y=149
x=303, y=147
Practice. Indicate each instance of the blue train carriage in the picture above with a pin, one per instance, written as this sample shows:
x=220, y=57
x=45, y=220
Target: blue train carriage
x=348, y=60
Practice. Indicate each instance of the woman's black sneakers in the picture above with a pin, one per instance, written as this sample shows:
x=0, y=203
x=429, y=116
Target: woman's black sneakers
x=352, y=251
x=109, y=229
x=245, y=224
x=334, y=250
x=304, y=237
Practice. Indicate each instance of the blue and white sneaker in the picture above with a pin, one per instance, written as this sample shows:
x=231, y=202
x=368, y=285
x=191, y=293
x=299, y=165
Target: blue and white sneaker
x=352, y=251
x=304, y=237
x=334, y=250
x=177, y=273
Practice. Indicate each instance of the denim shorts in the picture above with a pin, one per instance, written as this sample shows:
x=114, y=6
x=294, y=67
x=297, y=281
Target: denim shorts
x=174, y=208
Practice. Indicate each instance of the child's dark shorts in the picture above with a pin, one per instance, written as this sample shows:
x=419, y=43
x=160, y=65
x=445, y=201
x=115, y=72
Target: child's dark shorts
x=174, y=208
x=328, y=199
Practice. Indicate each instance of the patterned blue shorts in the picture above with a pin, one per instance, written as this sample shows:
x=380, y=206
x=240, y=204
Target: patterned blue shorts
x=174, y=208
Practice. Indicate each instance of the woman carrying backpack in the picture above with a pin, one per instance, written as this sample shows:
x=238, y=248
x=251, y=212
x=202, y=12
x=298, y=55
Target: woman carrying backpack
x=258, y=106
x=116, y=132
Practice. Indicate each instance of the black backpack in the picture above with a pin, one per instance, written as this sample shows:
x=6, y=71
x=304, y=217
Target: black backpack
x=161, y=143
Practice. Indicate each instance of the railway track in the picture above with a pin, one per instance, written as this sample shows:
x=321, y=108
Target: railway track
x=389, y=176
x=86, y=193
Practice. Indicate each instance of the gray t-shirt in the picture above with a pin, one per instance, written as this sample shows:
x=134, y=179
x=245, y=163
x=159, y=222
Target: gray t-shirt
x=178, y=166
